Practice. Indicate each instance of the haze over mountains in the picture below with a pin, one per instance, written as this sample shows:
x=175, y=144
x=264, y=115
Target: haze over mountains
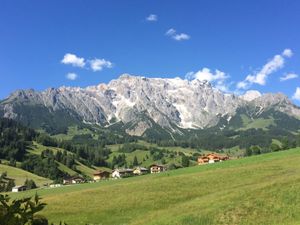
x=140, y=104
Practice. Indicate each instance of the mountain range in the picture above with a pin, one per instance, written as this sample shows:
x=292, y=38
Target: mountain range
x=139, y=105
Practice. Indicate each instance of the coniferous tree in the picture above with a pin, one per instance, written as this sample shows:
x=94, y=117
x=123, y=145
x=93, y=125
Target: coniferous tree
x=30, y=184
x=135, y=161
x=185, y=162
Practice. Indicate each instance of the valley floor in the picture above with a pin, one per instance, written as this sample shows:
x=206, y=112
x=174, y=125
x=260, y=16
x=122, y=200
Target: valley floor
x=255, y=190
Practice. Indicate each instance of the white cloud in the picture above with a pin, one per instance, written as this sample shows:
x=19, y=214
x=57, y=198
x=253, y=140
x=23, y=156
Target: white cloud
x=206, y=74
x=242, y=85
x=178, y=37
x=71, y=76
x=217, y=78
x=288, y=76
x=287, y=53
x=73, y=60
x=152, y=18
x=276, y=63
x=100, y=64
x=296, y=95
x=272, y=66
x=171, y=32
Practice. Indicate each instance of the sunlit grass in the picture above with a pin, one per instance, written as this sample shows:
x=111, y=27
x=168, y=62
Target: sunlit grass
x=256, y=190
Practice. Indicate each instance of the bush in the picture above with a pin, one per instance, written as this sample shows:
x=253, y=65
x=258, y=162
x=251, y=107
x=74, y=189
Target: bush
x=21, y=212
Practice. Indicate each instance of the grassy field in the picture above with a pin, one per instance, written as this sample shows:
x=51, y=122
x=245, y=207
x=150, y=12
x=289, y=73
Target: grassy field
x=20, y=175
x=257, y=123
x=255, y=190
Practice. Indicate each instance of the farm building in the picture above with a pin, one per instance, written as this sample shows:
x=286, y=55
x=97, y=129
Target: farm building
x=19, y=188
x=155, y=168
x=211, y=158
x=120, y=173
x=101, y=175
x=73, y=180
x=140, y=171
x=55, y=185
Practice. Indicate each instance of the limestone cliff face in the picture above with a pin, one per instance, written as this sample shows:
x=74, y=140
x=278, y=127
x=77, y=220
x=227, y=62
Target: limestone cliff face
x=141, y=101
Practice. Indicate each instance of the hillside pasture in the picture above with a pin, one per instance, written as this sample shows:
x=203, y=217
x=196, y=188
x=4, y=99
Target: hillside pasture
x=255, y=190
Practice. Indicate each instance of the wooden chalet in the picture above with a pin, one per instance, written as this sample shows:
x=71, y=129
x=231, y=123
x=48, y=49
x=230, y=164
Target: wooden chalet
x=73, y=180
x=211, y=158
x=156, y=168
x=140, y=171
x=101, y=175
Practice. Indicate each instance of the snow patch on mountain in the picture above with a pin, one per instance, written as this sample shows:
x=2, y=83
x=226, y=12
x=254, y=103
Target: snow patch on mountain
x=170, y=103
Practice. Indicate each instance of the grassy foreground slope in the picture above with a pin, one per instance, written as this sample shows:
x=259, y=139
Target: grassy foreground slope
x=256, y=190
x=20, y=175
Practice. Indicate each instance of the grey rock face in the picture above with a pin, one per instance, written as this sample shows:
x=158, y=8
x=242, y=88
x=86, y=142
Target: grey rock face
x=168, y=102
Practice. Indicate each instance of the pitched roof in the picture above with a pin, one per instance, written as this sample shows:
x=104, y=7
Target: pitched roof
x=100, y=172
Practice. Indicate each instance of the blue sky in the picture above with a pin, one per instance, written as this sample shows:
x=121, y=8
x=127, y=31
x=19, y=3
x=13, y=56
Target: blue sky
x=43, y=43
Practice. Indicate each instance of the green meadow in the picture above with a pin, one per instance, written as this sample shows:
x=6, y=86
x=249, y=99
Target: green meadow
x=20, y=175
x=262, y=189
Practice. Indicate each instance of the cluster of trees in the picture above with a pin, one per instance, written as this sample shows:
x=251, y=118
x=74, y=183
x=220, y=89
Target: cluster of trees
x=60, y=156
x=6, y=183
x=119, y=161
x=131, y=147
x=212, y=139
x=156, y=153
x=286, y=143
x=30, y=184
x=88, y=151
x=14, y=139
x=43, y=166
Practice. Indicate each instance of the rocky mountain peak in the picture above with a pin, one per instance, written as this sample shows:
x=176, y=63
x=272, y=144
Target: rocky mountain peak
x=171, y=103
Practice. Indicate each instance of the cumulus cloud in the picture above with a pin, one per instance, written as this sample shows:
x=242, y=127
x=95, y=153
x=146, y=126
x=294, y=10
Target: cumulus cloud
x=273, y=65
x=94, y=64
x=218, y=78
x=100, y=64
x=287, y=53
x=288, y=76
x=296, y=95
x=178, y=37
x=73, y=60
x=71, y=76
x=152, y=18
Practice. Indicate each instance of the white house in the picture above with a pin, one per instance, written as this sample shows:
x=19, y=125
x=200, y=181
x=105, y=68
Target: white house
x=19, y=188
x=155, y=168
x=119, y=173
x=55, y=185
x=116, y=174
x=73, y=180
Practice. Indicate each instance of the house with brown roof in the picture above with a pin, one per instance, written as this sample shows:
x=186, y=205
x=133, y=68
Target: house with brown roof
x=211, y=158
x=156, y=168
x=121, y=173
x=73, y=180
x=140, y=171
x=101, y=175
